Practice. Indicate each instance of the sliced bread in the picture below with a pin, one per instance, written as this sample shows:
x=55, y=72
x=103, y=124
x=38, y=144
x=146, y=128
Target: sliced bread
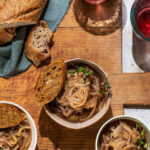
x=10, y=116
x=21, y=12
x=2, y=3
x=38, y=44
x=6, y=35
x=51, y=82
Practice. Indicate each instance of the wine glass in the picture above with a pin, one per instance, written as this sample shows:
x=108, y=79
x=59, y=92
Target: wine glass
x=140, y=19
x=99, y=17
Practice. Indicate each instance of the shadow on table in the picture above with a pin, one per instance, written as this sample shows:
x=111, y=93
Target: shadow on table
x=65, y=138
x=100, y=19
x=141, y=53
x=36, y=148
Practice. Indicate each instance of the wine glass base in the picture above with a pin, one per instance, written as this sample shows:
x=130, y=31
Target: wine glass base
x=98, y=19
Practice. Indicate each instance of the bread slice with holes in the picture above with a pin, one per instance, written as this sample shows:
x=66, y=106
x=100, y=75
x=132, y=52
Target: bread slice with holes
x=10, y=116
x=38, y=44
x=15, y=13
x=51, y=82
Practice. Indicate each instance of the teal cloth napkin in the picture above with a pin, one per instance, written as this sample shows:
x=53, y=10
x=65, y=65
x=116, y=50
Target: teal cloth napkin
x=12, y=56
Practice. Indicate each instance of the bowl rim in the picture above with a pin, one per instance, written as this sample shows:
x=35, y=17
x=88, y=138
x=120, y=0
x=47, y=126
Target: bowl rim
x=33, y=128
x=125, y=117
x=90, y=121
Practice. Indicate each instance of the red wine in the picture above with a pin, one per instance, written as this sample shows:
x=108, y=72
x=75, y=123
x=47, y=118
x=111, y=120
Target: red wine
x=94, y=1
x=142, y=19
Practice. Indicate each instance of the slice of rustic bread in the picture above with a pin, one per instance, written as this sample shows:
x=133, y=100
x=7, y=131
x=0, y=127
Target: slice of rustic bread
x=51, y=82
x=6, y=35
x=2, y=3
x=38, y=44
x=16, y=13
x=10, y=116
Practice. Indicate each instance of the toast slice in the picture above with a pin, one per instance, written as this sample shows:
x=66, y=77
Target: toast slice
x=51, y=82
x=10, y=116
x=38, y=44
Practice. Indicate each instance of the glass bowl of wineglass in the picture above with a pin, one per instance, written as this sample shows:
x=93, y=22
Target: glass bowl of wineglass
x=140, y=19
x=95, y=1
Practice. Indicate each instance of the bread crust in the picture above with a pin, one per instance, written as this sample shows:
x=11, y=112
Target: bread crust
x=6, y=35
x=21, y=12
x=10, y=116
x=51, y=82
x=32, y=52
x=2, y=3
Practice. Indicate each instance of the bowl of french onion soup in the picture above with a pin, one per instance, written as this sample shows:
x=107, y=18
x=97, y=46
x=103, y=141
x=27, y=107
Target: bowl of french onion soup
x=123, y=133
x=85, y=97
x=17, y=128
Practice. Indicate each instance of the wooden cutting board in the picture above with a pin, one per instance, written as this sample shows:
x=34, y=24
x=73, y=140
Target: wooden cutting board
x=72, y=41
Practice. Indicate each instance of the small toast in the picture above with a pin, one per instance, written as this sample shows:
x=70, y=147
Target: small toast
x=10, y=116
x=51, y=82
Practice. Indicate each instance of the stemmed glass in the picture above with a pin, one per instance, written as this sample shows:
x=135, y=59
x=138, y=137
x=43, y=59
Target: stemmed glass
x=140, y=18
x=99, y=17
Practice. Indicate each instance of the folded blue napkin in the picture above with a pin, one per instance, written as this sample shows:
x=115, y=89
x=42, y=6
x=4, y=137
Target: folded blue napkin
x=12, y=57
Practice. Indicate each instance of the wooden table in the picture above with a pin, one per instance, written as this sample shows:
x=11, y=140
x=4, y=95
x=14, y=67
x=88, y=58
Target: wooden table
x=71, y=41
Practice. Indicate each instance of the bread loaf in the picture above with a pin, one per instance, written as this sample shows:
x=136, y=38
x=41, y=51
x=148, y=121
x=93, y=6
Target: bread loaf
x=37, y=47
x=2, y=3
x=51, y=82
x=16, y=13
x=6, y=35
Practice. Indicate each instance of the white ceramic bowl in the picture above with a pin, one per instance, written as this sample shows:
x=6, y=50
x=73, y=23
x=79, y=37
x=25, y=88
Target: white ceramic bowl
x=31, y=123
x=123, y=117
x=97, y=116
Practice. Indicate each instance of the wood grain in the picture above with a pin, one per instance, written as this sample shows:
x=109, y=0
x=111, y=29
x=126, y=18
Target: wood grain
x=72, y=41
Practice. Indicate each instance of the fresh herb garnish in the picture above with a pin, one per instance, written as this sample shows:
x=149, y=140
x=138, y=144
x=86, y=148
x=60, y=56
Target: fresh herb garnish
x=88, y=73
x=137, y=142
x=105, y=86
x=137, y=126
x=141, y=143
x=106, y=83
x=81, y=69
x=143, y=133
x=1, y=148
x=72, y=71
x=102, y=92
x=108, y=87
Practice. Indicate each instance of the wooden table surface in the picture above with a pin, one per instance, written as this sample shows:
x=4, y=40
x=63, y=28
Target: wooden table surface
x=72, y=41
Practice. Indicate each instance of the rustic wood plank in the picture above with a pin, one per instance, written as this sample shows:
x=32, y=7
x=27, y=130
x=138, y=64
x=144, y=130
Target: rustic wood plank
x=75, y=42
x=131, y=89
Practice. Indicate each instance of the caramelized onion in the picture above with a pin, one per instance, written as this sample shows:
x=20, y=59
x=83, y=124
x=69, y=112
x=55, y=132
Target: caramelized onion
x=16, y=138
x=80, y=97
